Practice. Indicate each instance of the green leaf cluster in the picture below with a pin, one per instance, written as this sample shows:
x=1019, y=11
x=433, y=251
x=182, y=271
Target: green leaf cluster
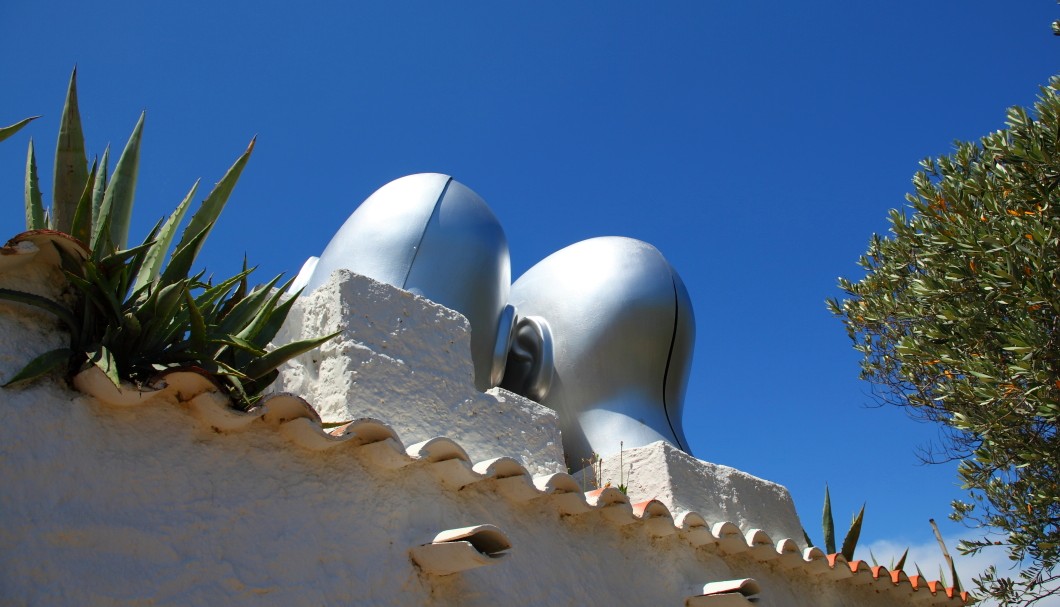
x=134, y=313
x=958, y=321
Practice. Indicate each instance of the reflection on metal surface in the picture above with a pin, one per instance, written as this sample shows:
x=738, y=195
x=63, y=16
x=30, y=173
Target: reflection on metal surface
x=605, y=338
x=432, y=235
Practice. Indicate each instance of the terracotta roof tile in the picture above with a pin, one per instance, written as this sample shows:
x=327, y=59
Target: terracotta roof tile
x=655, y=517
x=457, y=550
x=729, y=537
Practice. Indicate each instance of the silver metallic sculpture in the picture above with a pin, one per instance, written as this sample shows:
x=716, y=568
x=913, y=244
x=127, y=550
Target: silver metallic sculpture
x=604, y=332
x=431, y=235
x=604, y=336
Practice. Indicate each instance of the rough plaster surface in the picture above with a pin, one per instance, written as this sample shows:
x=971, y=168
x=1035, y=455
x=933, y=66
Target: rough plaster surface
x=148, y=506
x=718, y=493
x=25, y=331
x=407, y=360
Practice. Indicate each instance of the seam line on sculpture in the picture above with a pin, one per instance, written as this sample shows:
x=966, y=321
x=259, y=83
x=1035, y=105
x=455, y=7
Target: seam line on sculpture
x=669, y=359
x=423, y=235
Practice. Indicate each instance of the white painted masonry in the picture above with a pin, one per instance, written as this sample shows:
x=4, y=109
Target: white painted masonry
x=151, y=505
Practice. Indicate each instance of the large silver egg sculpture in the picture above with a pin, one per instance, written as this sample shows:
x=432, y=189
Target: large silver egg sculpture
x=434, y=236
x=605, y=337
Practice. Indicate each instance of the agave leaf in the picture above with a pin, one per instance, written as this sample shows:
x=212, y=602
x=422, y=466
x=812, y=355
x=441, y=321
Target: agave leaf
x=211, y=208
x=264, y=364
x=850, y=542
x=130, y=326
x=41, y=365
x=212, y=294
x=245, y=312
x=130, y=261
x=153, y=261
x=265, y=318
x=265, y=331
x=901, y=561
x=160, y=315
x=100, y=186
x=35, y=217
x=60, y=311
x=81, y=226
x=70, y=162
x=182, y=259
x=252, y=389
x=828, y=524
x=197, y=330
x=8, y=131
x=240, y=293
x=237, y=390
x=220, y=367
x=103, y=359
x=101, y=240
x=240, y=344
x=953, y=575
x=103, y=290
x=805, y=536
x=116, y=208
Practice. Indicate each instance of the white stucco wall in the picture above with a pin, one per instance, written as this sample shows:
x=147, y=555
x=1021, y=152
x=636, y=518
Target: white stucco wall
x=407, y=360
x=719, y=493
x=153, y=505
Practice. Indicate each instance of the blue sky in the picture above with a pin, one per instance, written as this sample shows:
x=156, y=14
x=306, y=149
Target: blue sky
x=758, y=145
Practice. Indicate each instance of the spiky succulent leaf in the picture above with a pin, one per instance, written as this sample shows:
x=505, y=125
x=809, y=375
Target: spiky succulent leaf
x=162, y=304
x=42, y=365
x=106, y=362
x=211, y=208
x=116, y=208
x=197, y=328
x=57, y=309
x=243, y=313
x=71, y=163
x=152, y=266
x=35, y=218
x=100, y=187
x=239, y=344
x=828, y=524
x=901, y=561
x=102, y=288
x=266, y=330
x=252, y=389
x=211, y=295
x=183, y=258
x=266, y=323
x=8, y=131
x=264, y=364
x=81, y=226
x=130, y=262
x=850, y=541
x=239, y=295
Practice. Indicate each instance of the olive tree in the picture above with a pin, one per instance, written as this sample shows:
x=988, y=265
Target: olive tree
x=958, y=321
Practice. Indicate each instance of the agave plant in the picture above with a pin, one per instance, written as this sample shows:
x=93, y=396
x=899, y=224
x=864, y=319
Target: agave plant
x=850, y=540
x=130, y=316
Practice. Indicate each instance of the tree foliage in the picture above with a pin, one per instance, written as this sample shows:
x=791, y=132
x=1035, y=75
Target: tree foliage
x=958, y=320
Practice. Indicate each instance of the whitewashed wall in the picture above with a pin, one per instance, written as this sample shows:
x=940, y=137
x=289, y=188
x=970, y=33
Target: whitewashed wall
x=151, y=504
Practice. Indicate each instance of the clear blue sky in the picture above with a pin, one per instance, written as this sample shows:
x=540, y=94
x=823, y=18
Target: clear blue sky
x=758, y=145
